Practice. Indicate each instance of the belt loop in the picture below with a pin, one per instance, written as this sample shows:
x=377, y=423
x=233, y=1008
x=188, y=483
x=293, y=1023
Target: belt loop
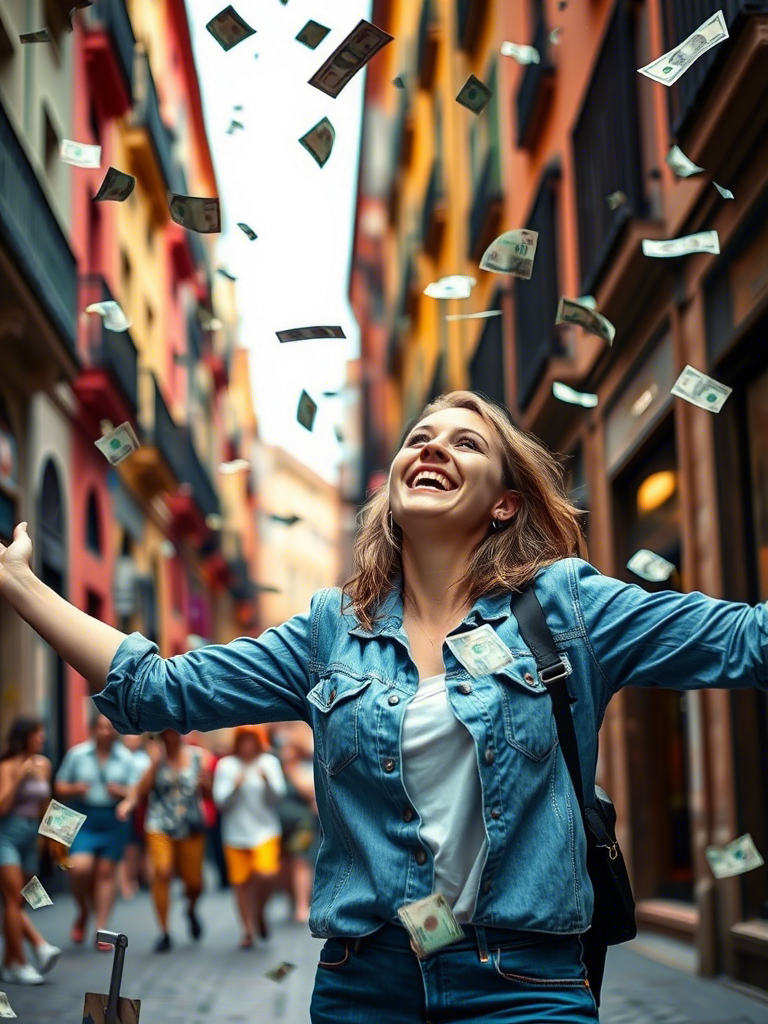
x=482, y=944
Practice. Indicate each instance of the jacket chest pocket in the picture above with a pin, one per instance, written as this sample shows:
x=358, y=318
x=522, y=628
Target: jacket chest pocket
x=529, y=721
x=336, y=699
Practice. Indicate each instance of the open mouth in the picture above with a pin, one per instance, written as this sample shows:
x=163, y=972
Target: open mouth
x=428, y=479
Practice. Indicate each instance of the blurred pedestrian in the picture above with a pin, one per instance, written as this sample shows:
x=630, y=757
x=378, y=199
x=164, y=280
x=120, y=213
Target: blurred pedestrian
x=220, y=745
x=93, y=778
x=132, y=868
x=298, y=815
x=246, y=787
x=25, y=789
x=174, y=783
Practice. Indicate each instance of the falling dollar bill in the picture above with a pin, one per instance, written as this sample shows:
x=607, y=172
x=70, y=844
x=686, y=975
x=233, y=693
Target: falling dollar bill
x=554, y=35
x=249, y=232
x=35, y=894
x=616, y=199
x=313, y=34
x=41, y=36
x=80, y=154
x=306, y=411
x=671, y=65
x=196, y=213
x=235, y=126
x=118, y=443
x=306, y=333
x=353, y=53
x=512, y=253
x=399, y=82
x=480, y=651
x=116, y=187
x=650, y=566
x=430, y=923
x=699, y=389
x=702, y=241
x=522, y=54
x=474, y=95
x=734, y=859
x=455, y=286
x=724, y=192
x=569, y=311
x=280, y=972
x=680, y=164
x=319, y=141
x=61, y=823
x=484, y=315
x=228, y=28
x=112, y=313
x=567, y=394
x=6, y=1010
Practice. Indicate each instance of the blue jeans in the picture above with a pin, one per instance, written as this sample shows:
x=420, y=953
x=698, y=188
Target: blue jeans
x=492, y=974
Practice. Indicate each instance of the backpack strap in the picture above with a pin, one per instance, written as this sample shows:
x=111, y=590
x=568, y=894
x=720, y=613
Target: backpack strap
x=552, y=671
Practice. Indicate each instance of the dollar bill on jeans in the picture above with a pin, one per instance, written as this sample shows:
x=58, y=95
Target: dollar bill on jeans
x=431, y=924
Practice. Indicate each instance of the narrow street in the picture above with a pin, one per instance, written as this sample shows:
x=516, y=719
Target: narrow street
x=215, y=983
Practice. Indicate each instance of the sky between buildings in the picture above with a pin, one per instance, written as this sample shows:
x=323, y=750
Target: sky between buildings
x=296, y=272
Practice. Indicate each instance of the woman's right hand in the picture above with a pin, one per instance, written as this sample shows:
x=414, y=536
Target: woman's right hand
x=124, y=809
x=16, y=558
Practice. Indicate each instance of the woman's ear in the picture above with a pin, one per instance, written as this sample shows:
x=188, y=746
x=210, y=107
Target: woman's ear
x=508, y=506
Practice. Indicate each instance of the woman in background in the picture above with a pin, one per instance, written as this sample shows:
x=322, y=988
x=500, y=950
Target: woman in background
x=25, y=789
x=246, y=788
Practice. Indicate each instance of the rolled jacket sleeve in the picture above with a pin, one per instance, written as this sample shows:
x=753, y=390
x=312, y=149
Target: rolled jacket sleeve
x=681, y=641
x=245, y=682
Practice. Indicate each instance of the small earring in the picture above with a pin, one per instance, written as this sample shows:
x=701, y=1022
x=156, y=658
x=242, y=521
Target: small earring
x=494, y=524
x=389, y=514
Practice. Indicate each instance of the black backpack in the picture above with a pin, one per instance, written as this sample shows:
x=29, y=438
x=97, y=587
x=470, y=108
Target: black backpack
x=613, y=918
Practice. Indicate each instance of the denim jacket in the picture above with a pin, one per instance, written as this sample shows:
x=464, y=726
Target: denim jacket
x=352, y=685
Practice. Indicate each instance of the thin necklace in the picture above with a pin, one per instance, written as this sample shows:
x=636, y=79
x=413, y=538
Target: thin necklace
x=432, y=642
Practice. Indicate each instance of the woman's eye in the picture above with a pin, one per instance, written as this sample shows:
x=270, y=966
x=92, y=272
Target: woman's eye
x=417, y=437
x=468, y=440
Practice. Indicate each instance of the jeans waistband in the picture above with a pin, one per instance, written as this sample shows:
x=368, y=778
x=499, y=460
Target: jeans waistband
x=395, y=936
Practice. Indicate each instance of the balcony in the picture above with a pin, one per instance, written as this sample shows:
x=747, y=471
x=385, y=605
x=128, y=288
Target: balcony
x=241, y=586
x=108, y=385
x=435, y=213
x=535, y=89
x=487, y=206
x=38, y=251
x=187, y=249
x=196, y=497
x=149, y=141
x=687, y=97
x=606, y=150
x=470, y=15
x=150, y=469
x=109, y=46
x=429, y=34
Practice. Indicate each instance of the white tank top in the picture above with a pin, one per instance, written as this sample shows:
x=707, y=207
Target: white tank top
x=442, y=780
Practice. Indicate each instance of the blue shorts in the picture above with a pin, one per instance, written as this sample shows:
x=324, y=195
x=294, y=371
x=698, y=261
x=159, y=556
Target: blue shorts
x=102, y=834
x=18, y=842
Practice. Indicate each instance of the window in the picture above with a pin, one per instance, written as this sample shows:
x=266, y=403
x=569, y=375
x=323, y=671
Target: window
x=92, y=525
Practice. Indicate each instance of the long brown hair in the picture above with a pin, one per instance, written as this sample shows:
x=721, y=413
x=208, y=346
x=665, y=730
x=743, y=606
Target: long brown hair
x=544, y=529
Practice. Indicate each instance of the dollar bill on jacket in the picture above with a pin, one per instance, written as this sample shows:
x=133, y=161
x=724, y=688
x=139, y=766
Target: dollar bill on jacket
x=700, y=241
x=117, y=444
x=353, y=53
x=569, y=311
x=42, y=35
x=736, y=858
x=521, y=53
x=281, y=971
x=650, y=567
x=312, y=34
x=112, y=314
x=512, y=253
x=682, y=166
x=307, y=333
x=564, y=393
x=699, y=389
x=35, y=895
x=6, y=1010
x=116, y=187
x=228, y=28
x=247, y=231
x=306, y=411
x=196, y=213
x=481, y=651
x=430, y=923
x=474, y=95
x=61, y=823
x=319, y=140
x=674, y=63
x=79, y=154
x=95, y=1009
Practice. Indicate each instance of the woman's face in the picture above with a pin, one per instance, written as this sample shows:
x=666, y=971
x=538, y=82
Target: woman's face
x=459, y=448
x=36, y=741
x=247, y=747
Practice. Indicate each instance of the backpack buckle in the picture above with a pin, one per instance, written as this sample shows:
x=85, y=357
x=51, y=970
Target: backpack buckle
x=552, y=673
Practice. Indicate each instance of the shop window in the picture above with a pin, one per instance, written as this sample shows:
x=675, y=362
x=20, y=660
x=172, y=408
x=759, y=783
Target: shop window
x=92, y=525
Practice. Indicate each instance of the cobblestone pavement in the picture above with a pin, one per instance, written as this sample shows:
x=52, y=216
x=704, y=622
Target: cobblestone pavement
x=214, y=983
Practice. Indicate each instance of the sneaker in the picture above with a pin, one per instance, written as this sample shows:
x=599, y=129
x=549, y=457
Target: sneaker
x=163, y=944
x=47, y=957
x=21, y=974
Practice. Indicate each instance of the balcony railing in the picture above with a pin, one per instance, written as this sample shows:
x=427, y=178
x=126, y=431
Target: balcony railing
x=32, y=234
x=536, y=337
x=534, y=89
x=434, y=214
x=470, y=15
x=428, y=36
x=108, y=350
x=606, y=148
x=146, y=114
x=686, y=96
x=487, y=205
x=113, y=16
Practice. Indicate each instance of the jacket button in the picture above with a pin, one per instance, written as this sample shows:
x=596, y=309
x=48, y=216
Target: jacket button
x=407, y=814
x=496, y=813
x=394, y=699
x=331, y=696
x=529, y=678
x=421, y=856
x=490, y=755
x=389, y=765
x=465, y=688
x=487, y=885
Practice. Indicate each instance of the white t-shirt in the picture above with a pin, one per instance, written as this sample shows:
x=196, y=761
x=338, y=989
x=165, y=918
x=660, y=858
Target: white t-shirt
x=442, y=780
x=248, y=815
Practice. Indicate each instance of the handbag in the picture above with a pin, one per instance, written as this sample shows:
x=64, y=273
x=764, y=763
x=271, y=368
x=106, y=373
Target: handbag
x=613, y=917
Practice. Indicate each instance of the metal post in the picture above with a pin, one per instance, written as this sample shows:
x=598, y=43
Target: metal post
x=120, y=942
